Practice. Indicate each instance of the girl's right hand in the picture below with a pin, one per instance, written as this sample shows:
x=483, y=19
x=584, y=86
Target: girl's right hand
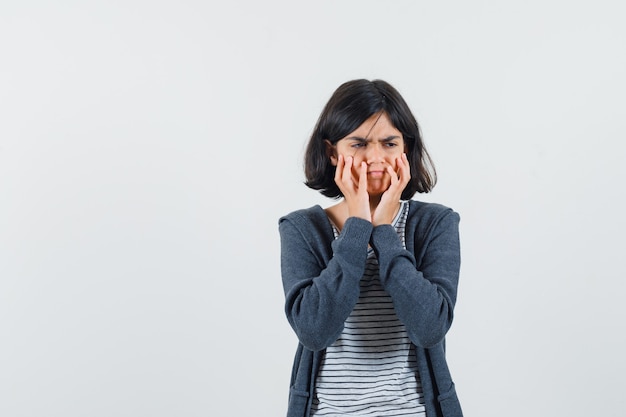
x=354, y=189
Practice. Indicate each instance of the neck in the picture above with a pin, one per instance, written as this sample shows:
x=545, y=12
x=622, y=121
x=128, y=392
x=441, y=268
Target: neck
x=374, y=201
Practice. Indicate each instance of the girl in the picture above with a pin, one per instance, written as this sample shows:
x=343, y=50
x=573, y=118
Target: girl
x=370, y=282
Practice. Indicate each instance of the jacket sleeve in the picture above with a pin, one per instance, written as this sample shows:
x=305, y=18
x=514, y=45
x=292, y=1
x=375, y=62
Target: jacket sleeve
x=424, y=298
x=319, y=298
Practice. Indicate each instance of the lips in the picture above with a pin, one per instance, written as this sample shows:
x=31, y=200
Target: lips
x=376, y=174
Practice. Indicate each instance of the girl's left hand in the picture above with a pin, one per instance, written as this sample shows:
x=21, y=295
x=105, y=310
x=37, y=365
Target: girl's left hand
x=386, y=209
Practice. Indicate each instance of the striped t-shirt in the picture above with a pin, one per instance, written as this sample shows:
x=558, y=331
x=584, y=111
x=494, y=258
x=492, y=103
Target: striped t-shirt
x=370, y=370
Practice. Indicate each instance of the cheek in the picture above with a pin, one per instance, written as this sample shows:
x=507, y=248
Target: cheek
x=356, y=167
x=392, y=160
x=358, y=158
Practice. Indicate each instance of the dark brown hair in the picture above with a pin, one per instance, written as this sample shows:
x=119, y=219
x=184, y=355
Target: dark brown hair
x=350, y=105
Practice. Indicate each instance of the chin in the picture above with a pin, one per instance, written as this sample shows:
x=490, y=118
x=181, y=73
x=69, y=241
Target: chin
x=377, y=191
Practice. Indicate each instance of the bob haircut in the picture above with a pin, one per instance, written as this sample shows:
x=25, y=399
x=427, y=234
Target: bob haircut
x=350, y=105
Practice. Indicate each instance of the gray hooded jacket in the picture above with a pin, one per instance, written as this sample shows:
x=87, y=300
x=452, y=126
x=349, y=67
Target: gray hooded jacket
x=321, y=277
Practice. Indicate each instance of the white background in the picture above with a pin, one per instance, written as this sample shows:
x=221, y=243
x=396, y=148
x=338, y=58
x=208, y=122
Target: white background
x=147, y=149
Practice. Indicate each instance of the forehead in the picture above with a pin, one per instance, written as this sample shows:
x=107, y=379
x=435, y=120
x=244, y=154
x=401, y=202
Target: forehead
x=376, y=126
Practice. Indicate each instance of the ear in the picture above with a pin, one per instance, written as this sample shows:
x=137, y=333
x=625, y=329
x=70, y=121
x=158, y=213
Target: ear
x=331, y=152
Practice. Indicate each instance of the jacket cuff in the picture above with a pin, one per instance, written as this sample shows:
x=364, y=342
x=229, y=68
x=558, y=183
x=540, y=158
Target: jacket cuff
x=385, y=237
x=356, y=230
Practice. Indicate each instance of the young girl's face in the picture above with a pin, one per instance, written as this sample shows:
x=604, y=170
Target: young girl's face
x=376, y=142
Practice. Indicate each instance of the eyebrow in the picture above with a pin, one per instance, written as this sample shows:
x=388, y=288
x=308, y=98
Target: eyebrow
x=360, y=139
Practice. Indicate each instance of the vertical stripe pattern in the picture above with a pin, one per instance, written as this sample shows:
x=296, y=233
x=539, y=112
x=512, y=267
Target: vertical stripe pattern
x=370, y=370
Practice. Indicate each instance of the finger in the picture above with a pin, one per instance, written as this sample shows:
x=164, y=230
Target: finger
x=346, y=174
x=394, y=177
x=405, y=165
x=363, y=177
x=404, y=170
x=339, y=168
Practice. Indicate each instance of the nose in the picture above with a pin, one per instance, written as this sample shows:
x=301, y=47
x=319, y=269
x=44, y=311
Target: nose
x=375, y=154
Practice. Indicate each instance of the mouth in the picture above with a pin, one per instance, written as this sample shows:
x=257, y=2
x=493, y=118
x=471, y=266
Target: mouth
x=376, y=174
